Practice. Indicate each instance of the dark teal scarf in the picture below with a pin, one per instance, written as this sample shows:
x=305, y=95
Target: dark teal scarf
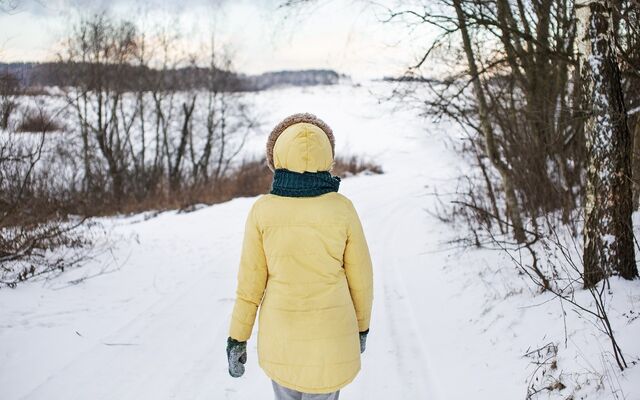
x=307, y=184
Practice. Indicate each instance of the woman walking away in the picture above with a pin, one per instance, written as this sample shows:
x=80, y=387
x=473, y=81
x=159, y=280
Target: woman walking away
x=306, y=264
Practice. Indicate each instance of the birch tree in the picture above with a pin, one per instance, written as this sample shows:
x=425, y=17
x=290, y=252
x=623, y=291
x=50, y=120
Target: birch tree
x=608, y=229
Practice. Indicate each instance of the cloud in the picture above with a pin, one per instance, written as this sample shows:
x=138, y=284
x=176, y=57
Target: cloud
x=57, y=7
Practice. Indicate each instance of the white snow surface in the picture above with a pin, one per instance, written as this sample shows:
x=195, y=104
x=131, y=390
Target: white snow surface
x=150, y=320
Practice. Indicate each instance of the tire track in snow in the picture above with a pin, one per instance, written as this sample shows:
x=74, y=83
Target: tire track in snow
x=409, y=339
x=396, y=364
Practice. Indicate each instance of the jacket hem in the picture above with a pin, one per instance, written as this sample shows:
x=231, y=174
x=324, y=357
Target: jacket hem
x=309, y=390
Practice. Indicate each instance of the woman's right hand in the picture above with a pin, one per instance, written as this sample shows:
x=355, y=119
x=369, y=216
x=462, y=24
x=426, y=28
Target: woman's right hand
x=363, y=341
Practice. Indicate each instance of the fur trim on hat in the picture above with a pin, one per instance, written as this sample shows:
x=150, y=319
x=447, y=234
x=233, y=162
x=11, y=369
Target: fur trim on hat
x=292, y=120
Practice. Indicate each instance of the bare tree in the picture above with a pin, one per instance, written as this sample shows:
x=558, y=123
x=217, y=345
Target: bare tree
x=487, y=129
x=9, y=90
x=175, y=171
x=103, y=49
x=215, y=115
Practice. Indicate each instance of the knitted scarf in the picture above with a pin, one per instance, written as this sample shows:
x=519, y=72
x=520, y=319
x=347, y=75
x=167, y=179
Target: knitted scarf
x=307, y=184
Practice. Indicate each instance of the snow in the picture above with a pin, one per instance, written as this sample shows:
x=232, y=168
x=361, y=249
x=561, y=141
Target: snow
x=151, y=319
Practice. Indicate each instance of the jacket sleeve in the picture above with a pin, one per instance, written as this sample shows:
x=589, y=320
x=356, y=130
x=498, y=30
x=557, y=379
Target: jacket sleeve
x=252, y=280
x=357, y=265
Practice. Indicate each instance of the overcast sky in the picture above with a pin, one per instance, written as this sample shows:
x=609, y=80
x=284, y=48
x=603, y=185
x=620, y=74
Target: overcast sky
x=345, y=35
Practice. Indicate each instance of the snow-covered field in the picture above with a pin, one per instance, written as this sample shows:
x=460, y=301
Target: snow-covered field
x=151, y=319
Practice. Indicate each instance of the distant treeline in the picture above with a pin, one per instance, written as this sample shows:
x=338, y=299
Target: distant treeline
x=134, y=77
x=310, y=77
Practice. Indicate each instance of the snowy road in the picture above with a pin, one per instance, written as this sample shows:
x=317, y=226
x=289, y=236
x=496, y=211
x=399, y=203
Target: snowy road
x=151, y=321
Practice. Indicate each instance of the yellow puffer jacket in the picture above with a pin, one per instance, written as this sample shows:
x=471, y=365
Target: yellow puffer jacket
x=306, y=264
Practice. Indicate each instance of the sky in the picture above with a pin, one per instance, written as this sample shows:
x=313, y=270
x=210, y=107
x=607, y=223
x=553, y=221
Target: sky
x=345, y=35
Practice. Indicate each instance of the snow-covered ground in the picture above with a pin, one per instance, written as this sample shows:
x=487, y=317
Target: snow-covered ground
x=151, y=319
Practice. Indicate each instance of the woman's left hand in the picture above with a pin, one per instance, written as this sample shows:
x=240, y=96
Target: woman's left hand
x=237, y=357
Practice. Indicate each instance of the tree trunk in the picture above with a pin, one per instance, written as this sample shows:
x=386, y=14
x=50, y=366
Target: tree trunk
x=187, y=110
x=636, y=165
x=608, y=230
x=513, y=209
x=6, y=109
x=84, y=130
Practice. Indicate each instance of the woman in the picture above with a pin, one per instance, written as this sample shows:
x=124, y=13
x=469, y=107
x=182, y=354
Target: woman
x=306, y=264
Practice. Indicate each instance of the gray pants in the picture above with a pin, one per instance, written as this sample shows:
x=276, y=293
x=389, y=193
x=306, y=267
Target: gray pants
x=283, y=393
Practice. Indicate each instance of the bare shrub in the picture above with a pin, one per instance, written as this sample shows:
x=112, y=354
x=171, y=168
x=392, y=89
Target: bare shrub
x=38, y=121
x=26, y=250
x=354, y=165
x=33, y=225
x=35, y=91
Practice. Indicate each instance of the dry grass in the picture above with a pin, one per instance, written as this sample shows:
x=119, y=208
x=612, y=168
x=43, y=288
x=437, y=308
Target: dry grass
x=250, y=179
x=36, y=91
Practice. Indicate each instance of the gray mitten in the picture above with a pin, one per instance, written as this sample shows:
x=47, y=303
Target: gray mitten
x=363, y=340
x=237, y=356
